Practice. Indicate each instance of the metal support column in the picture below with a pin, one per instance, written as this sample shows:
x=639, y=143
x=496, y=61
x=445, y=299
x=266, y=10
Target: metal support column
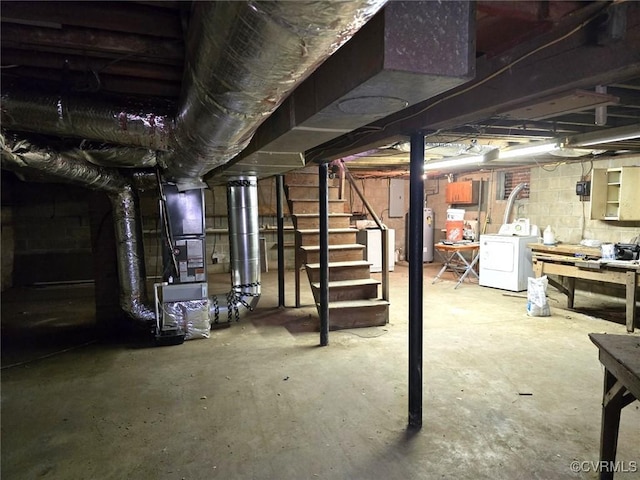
x=416, y=204
x=324, y=254
x=280, y=214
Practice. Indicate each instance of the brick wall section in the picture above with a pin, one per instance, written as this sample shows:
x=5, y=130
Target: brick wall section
x=514, y=178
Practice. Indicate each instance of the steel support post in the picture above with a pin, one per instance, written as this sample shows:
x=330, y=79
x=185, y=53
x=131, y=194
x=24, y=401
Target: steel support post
x=416, y=204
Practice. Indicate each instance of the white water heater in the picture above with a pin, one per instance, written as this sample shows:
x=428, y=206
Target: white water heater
x=427, y=235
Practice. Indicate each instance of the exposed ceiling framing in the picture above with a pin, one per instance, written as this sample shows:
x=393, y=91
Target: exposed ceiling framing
x=539, y=72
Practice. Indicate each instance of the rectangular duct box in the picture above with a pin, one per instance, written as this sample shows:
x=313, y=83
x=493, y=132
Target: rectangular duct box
x=407, y=53
x=184, y=292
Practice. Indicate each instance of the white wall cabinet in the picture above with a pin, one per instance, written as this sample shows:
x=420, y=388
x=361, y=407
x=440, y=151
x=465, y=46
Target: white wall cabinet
x=615, y=194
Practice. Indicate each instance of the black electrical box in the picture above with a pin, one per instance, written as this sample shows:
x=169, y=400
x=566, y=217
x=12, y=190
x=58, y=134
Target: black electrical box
x=583, y=188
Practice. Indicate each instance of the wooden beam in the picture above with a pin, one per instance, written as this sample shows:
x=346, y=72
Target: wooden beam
x=569, y=63
x=87, y=64
x=117, y=16
x=87, y=82
x=93, y=42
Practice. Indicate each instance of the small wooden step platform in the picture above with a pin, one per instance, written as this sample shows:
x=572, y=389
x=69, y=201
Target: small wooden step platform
x=358, y=314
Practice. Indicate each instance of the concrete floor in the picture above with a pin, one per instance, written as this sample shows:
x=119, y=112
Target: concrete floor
x=506, y=396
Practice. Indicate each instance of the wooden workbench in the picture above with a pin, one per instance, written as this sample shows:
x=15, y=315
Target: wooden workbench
x=620, y=356
x=576, y=261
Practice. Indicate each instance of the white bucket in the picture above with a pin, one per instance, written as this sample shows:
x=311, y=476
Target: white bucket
x=455, y=214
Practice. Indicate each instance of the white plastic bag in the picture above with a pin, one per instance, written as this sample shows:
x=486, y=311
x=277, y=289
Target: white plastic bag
x=537, y=305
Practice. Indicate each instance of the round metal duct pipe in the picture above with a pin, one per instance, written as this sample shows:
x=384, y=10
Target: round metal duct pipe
x=244, y=250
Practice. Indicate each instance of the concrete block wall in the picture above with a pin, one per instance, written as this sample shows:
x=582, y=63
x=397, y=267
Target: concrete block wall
x=47, y=232
x=555, y=203
x=8, y=247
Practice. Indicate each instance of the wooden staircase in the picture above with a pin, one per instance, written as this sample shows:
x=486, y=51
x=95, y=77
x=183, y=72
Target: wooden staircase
x=353, y=294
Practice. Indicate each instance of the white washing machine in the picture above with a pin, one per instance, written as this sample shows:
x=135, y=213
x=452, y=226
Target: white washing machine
x=505, y=261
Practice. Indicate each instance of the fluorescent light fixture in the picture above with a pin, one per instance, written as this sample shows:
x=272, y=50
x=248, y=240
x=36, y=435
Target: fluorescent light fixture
x=455, y=162
x=529, y=150
x=610, y=135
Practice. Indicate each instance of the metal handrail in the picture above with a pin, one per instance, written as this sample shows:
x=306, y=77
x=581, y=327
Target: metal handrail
x=384, y=231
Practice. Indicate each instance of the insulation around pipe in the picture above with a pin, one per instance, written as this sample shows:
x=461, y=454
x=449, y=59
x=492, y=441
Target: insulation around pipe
x=122, y=157
x=122, y=122
x=131, y=269
x=244, y=251
x=229, y=92
x=25, y=158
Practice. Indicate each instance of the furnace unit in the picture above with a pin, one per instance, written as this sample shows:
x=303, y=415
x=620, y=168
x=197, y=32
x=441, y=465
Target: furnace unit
x=184, y=292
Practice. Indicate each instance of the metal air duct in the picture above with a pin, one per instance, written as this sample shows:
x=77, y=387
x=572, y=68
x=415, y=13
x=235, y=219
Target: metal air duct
x=410, y=51
x=244, y=251
x=243, y=59
x=511, y=200
x=23, y=157
x=121, y=122
x=131, y=270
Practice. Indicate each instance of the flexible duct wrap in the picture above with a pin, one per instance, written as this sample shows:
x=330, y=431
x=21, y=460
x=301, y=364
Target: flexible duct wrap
x=121, y=122
x=21, y=156
x=131, y=270
x=243, y=60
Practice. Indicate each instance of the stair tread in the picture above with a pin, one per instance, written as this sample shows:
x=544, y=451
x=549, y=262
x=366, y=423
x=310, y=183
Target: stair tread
x=373, y=302
x=353, y=263
x=331, y=230
x=346, y=246
x=307, y=185
x=312, y=215
x=315, y=200
x=350, y=283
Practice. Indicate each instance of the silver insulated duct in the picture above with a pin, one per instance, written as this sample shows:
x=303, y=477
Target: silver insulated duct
x=244, y=251
x=243, y=59
x=131, y=270
x=119, y=122
x=27, y=159
x=23, y=157
x=511, y=200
